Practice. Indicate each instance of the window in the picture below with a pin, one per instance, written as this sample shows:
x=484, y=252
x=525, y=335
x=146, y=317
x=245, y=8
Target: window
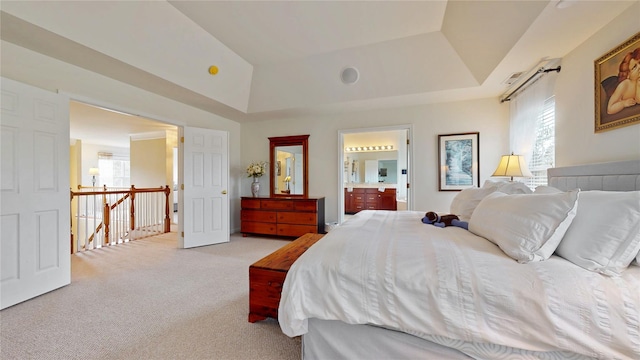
x=532, y=128
x=114, y=170
x=543, y=150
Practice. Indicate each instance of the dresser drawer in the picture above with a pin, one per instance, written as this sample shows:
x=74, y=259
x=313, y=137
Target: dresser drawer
x=258, y=215
x=295, y=215
x=250, y=203
x=305, y=205
x=276, y=205
x=297, y=218
x=295, y=230
x=258, y=227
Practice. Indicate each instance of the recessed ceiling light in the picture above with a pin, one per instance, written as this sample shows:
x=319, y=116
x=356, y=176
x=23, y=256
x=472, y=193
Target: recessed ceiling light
x=349, y=75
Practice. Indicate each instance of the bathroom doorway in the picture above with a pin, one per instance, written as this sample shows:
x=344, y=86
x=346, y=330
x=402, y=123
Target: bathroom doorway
x=376, y=161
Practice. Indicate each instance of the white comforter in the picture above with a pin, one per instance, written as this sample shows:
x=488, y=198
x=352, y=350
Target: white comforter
x=389, y=269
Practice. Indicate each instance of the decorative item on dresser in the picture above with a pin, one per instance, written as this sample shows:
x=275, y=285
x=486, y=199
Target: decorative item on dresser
x=256, y=170
x=356, y=199
x=255, y=187
x=282, y=216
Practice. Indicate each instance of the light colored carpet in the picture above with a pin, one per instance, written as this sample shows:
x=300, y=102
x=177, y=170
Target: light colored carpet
x=149, y=300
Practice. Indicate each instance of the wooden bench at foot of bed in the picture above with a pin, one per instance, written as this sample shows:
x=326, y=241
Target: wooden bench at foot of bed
x=266, y=277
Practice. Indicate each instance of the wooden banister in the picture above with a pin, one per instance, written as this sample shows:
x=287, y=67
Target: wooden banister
x=167, y=219
x=108, y=215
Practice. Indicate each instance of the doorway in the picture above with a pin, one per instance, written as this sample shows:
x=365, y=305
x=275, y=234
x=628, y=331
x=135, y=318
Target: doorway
x=378, y=158
x=143, y=148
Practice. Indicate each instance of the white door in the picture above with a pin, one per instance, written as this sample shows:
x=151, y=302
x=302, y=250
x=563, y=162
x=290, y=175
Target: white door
x=204, y=216
x=35, y=228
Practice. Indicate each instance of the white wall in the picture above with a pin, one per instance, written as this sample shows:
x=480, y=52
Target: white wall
x=149, y=163
x=32, y=68
x=576, y=141
x=487, y=116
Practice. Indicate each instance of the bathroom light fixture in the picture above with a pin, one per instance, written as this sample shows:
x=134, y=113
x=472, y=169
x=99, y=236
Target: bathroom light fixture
x=368, y=148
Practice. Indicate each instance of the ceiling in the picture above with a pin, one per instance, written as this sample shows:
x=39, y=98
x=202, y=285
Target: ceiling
x=94, y=125
x=280, y=59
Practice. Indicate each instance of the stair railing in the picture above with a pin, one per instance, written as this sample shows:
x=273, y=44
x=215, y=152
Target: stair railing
x=114, y=216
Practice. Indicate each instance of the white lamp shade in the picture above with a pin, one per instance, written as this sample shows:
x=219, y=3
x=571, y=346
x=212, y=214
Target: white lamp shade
x=512, y=165
x=94, y=171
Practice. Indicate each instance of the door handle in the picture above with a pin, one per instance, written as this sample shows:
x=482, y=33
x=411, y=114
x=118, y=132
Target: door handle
x=224, y=192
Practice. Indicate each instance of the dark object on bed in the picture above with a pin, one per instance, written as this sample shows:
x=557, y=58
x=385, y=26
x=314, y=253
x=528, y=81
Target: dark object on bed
x=434, y=219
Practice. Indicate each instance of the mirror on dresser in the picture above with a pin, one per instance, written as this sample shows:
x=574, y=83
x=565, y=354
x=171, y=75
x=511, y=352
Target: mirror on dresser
x=289, y=165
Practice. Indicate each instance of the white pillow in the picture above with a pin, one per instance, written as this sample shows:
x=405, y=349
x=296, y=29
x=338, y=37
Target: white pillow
x=605, y=234
x=543, y=189
x=466, y=201
x=507, y=187
x=526, y=227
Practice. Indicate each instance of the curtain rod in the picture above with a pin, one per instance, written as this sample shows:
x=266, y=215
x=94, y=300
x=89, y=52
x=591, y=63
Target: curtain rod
x=540, y=71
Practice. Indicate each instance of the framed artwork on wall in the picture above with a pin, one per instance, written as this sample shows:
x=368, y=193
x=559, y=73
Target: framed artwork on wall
x=617, y=86
x=458, y=161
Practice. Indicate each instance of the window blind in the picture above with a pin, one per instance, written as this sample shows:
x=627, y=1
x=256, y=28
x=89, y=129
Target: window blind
x=114, y=170
x=544, y=153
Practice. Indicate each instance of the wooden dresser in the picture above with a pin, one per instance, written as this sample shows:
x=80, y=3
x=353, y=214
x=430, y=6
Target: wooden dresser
x=282, y=216
x=369, y=199
x=266, y=277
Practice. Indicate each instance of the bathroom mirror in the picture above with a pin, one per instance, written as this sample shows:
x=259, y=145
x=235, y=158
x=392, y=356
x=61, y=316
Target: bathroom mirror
x=289, y=164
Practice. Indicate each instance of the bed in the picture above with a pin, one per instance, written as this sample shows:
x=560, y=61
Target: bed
x=385, y=285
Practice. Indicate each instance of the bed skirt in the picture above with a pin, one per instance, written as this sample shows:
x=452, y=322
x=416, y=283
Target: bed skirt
x=331, y=339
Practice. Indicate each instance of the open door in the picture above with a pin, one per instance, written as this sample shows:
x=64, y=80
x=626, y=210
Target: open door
x=360, y=167
x=204, y=210
x=35, y=228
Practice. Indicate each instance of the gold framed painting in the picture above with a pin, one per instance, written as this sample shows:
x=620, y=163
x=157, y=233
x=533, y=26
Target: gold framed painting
x=617, y=86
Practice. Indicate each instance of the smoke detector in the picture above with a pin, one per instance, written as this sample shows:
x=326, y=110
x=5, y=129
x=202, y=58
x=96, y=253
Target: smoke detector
x=349, y=75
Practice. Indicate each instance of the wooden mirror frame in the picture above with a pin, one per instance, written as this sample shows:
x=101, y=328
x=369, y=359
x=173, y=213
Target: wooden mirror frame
x=274, y=142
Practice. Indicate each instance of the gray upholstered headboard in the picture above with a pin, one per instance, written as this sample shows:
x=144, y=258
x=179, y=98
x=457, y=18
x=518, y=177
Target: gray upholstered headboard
x=612, y=176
